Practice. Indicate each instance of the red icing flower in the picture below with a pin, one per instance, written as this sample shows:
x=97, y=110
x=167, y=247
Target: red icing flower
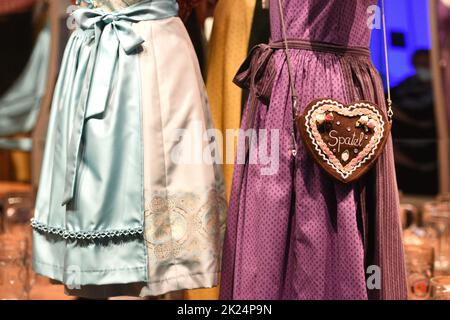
x=329, y=117
x=371, y=124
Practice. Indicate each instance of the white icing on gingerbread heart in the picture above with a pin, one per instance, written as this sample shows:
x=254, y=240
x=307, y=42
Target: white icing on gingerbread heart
x=344, y=140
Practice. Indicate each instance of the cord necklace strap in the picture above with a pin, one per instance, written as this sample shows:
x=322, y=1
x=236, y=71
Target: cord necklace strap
x=293, y=90
x=386, y=57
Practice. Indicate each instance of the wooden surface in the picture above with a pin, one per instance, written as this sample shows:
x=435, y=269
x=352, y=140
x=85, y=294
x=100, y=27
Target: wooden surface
x=6, y=166
x=46, y=291
x=7, y=187
x=439, y=101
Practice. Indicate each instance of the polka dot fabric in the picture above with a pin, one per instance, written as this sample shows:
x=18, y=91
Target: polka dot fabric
x=298, y=234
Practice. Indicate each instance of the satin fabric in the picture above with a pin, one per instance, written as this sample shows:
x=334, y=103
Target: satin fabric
x=118, y=202
x=110, y=31
x=20, y=105
x=185, y=203
x=16, y=143
x=132, y=217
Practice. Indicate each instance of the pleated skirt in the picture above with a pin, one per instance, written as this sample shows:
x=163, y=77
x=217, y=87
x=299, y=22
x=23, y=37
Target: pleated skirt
x=297, y=233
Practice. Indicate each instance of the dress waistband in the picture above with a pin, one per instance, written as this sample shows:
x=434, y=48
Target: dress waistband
x=258, y=71
x=317, y=46
x=257, y=65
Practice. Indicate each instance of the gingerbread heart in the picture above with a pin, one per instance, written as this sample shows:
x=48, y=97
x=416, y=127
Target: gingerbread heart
x=345, y=140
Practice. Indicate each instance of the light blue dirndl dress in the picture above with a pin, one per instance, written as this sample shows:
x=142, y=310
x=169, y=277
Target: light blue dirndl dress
x=115, y=213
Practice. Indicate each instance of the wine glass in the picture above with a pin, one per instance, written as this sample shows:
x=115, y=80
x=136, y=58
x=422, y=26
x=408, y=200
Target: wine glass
x=440, y=288
x=437, y=215
x=17, y=210
x=420, y=267
x=14, y=272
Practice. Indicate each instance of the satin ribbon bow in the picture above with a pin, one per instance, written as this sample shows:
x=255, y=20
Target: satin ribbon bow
x=110, y=32
x=119, y=23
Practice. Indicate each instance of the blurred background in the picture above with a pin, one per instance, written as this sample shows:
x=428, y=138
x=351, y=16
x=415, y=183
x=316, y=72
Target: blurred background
x=35, y=33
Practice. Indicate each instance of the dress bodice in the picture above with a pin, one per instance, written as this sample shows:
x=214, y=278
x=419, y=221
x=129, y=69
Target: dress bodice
x=343, y=22
x=111, y=5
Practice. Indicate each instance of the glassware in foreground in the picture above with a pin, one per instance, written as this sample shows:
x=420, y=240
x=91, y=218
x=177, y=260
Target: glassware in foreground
x=437, y=216
x=440, y=288
x=14, y=271
x=420, y=268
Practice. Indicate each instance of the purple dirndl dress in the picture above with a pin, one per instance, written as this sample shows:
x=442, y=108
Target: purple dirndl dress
x=299, y=234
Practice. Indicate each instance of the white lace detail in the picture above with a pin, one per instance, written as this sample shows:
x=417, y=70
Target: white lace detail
x=85, y=235
x=185, y=224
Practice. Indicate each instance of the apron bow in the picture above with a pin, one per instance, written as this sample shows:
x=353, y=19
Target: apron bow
x=110, y=32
